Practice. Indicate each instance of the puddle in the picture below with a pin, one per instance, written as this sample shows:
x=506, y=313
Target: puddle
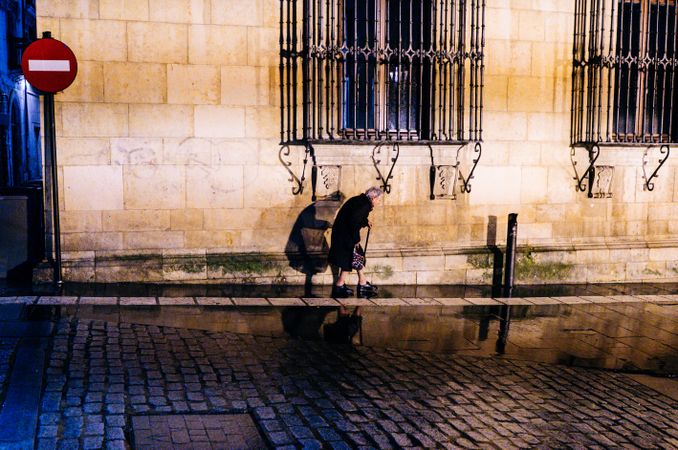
x=632, y=337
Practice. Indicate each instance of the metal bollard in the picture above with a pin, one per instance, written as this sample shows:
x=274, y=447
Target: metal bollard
x=511, y=237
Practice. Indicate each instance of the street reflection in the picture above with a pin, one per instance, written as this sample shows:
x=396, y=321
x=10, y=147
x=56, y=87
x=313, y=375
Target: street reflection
x=638, y=337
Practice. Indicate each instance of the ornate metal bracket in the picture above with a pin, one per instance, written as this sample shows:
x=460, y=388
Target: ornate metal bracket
x=648, y=185
x=285, y=152
x=466, y=181
x=377, y=159
x=594, y=153
x=330, y=175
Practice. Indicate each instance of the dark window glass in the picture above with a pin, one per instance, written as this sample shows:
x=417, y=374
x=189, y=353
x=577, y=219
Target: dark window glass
x=390, y=91
x=360, y=28
x=404, y=71
x=644, y=80
x=659, y=90
x=628, y=49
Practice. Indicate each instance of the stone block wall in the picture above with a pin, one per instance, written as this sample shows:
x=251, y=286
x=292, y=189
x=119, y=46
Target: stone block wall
x=168, y=151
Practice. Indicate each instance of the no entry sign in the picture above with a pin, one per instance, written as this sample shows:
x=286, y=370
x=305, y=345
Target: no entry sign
x=49, y=65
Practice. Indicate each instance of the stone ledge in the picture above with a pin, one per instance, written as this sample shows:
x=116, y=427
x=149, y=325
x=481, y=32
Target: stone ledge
x=375, y=250
x=554, y=263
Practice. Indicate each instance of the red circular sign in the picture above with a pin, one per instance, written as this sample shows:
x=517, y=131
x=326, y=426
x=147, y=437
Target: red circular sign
x=49, y=65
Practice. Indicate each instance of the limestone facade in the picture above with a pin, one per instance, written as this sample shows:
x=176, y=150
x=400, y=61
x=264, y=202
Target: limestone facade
x=168, y=147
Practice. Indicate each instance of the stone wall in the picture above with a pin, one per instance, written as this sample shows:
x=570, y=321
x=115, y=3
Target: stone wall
x=168, y=145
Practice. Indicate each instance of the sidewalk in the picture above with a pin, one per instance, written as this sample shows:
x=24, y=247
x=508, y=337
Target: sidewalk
x=303, y=301
x=118, y=383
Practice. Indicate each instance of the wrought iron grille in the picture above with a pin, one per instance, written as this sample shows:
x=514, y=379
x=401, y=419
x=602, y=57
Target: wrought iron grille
x=369, y=71
x=624, y=72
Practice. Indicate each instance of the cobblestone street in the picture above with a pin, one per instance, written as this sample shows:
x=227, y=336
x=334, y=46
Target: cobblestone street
x=188, y=189
x=101, y=376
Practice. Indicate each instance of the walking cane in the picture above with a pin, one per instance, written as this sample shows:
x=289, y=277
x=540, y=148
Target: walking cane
x=367, y=239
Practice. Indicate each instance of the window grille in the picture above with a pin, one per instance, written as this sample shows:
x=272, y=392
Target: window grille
x=624, y=72
x=369, y=71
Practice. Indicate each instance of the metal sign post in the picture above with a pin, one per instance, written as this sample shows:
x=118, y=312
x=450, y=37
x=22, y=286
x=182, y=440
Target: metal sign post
x=50, y=147
x=50, y=66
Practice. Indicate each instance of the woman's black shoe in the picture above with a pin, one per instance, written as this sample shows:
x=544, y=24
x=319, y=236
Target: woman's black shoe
x=366, y=290
x=342, y=291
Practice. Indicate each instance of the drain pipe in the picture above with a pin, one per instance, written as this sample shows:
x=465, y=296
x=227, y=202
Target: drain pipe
x=511, y=237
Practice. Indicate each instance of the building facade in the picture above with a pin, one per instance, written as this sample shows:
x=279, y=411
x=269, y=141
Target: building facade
x=179, y=159
x=21, y=234
x=19, y=108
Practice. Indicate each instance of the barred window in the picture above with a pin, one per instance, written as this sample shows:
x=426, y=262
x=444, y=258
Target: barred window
x=624, y=75
x=374, y=70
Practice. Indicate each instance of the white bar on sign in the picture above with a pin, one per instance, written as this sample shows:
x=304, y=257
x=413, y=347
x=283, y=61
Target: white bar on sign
x=49, y=65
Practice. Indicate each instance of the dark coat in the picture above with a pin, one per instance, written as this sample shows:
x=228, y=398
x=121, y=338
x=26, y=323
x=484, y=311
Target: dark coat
x=346, y=230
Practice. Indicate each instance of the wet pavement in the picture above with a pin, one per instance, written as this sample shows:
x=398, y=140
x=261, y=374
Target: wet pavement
x=632, y=336
x=399, y=372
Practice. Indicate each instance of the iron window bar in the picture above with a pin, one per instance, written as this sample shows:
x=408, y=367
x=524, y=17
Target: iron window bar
x=380, y=72
x=624, y=91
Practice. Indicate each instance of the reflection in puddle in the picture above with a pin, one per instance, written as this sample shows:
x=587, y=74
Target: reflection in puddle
x=638, y=337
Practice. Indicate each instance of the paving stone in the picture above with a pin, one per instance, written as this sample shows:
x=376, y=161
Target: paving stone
x=51, y=402
x=250, y=301
x=301, y=432
x=114, y=433
x=116, y=445
x=286, y=301
x=98, y=301
x=310, y=444
x=69, y=444
x=48, y=431
x=318, y=302
x=176, y=301
x=355, y=302
x=47, y=300
x=49, y=418
x=138, y=301
x=73, y=412
x=47, y=444
x=92, y=408
x=388, y=301
x=263, y=413
x=91, y=443
x=214, y=301
x=401, y=439
x=96, y=429
x=452, y=301
x=279, y=437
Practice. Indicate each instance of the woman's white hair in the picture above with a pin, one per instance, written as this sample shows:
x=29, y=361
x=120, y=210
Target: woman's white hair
x=374, y=192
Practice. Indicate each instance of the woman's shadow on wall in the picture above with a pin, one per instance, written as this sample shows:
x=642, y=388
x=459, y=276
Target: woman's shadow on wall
x=307, y=247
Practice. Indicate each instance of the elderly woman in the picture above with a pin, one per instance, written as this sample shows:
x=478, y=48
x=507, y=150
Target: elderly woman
x=352, y=216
